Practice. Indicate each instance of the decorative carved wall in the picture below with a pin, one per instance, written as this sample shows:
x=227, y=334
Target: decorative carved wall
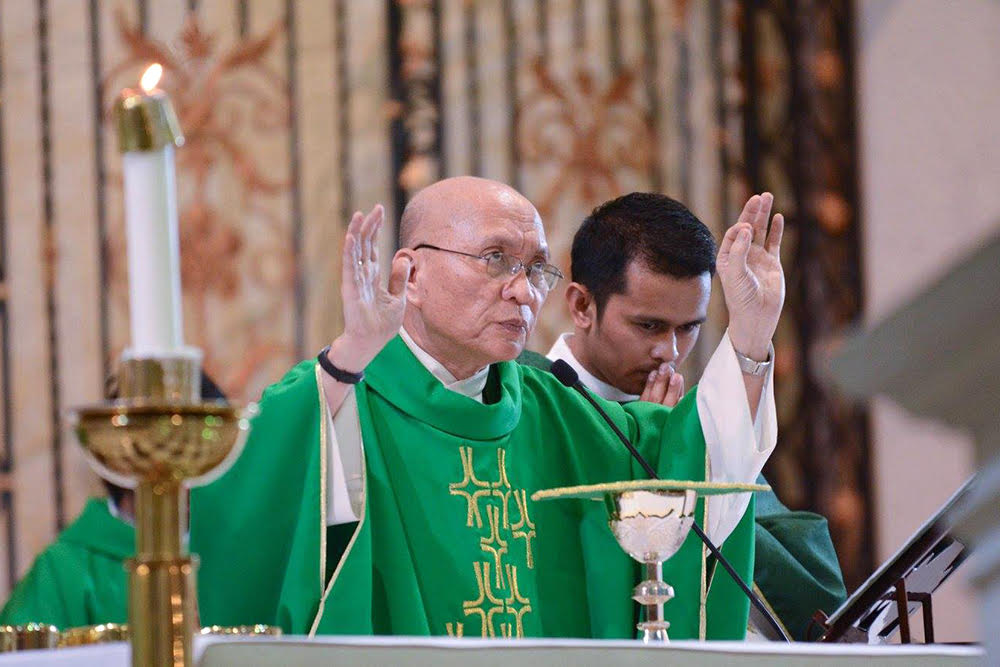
x=801, y=143
x=285, y=108
x=572, y=103
x=297, y=113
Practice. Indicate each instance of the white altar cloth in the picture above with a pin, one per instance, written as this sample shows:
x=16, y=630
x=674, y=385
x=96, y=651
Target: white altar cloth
x=447, y=652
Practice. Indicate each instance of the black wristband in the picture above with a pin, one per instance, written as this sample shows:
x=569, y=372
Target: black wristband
x=338, y=374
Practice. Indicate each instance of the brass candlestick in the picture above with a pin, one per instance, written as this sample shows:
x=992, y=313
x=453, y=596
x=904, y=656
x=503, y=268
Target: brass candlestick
x=157, y=438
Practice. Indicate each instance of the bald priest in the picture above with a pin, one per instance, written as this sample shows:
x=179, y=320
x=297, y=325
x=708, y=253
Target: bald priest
x=386, y=487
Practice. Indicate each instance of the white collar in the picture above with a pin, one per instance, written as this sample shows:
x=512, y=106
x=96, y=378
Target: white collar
x=471, y=386
x=561, y=350
x=117, y=513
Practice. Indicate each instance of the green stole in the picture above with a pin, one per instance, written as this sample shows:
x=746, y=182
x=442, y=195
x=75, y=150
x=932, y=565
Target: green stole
x=80, y=578
x=449, y=541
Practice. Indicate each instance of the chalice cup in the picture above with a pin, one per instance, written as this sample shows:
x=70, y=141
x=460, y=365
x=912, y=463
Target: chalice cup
x=158, y=439
x=650, y=526
x=650, y=519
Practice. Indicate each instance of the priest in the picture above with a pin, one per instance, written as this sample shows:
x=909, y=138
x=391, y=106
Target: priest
x=386, y=487
x=641, y=279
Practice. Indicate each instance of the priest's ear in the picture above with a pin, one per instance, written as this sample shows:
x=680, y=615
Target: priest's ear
x=412, y=293
x=582, y=307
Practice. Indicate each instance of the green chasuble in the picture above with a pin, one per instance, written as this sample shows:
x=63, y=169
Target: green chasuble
x=79, y=579
x=449, y=540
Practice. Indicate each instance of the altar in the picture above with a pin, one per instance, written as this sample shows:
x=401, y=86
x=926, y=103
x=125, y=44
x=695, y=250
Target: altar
x=449, y=652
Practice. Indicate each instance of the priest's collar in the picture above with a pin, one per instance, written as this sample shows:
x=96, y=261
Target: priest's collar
x=402, y=380
x=471, y=386
x=562, y=351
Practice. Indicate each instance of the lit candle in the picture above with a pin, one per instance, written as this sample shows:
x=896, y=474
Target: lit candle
x=148, y=131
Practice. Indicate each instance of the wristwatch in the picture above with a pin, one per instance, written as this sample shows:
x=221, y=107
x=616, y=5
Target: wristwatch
x=338, y=374
x=752, y=367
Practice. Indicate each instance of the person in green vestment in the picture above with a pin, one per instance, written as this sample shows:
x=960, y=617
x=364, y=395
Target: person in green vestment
x=641, y=272
x=418, y=431
x=80, y=578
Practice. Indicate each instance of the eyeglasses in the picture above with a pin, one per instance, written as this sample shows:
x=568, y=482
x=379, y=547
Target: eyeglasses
x=541, y=276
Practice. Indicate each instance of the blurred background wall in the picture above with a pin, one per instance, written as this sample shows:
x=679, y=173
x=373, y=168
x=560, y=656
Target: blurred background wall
x=928, y=74
x=872, y=122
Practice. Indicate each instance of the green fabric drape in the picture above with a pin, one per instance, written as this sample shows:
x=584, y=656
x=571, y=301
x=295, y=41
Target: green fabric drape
x=797, y=568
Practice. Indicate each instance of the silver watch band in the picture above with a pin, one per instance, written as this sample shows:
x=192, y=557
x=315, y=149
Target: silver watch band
x=752, y=367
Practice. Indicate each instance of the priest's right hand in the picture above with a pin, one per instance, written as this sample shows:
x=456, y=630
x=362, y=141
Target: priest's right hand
x=664, y=386
x=373, y=312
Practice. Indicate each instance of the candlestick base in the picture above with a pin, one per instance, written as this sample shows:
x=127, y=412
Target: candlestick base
x=163, y=608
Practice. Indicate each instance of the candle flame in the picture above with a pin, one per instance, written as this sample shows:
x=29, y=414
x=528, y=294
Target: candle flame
x=151, y=77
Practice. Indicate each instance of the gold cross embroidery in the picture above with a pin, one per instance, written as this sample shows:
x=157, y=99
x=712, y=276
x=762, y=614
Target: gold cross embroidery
x=501, y=483
x=477, y=606
x=517, y=605
x=495, y=596
x=524, y=528
x=494, y=544
x=470, y=488
x=501, y=487
x=474, y=611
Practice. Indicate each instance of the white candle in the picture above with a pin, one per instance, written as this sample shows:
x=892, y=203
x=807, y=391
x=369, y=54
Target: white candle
x=153, y=251
x=147, y=134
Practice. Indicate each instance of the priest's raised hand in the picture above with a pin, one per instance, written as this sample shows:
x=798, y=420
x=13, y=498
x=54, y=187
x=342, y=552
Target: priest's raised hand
x=753, y=282
x=373, y=312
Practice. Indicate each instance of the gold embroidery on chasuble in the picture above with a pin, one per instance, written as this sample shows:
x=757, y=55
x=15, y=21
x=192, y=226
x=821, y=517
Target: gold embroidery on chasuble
x=494, y=544
x=524, y=528
x=470, y=488
x=498, y=603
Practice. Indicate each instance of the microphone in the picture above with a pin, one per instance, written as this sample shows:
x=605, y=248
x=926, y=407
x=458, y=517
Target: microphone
x=566, y=375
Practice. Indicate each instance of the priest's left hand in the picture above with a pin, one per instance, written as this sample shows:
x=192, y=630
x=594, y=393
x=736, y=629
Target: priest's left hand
x=753, y=282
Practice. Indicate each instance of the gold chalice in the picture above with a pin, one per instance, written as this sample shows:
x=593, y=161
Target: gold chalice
x=650, y=519
x=158, y=438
